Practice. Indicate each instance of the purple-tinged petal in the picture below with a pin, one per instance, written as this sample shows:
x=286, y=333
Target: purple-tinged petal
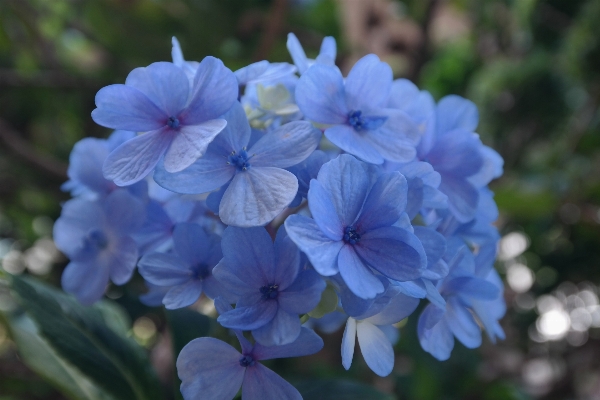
x=356, y=143
x=236, y=134
x=359, y=278
x=164, y=269
x=385, y=202
x=190, y=143
x=124, y=256
x=124, y=107
x=345, y=179
x=183, y=295
x=348, y=343
x=287, y=261
x=320, y=250
x=213, y=288
x=256, y=196
x=86, y=280
x=283, y=329
x=77, y=218
x=457, y=153
x=368, y=84
x=238, y=287
x=164, y=83
x=134, y=159
x=248, y=254
x=324, y=212
x=395, y=252
x=320, y=95
x=250, y=317
x=375, y=348
x=304, y=294
x=454, y=112
x=125, y=213
x=214, y=92
x=308, y=342
x=204, y=365
x=286, y=146
x=192, y=244
x=260, y=383
x=434, y=333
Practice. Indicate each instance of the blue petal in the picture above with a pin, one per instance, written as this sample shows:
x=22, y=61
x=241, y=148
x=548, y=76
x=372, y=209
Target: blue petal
x=359, y=278
x=256, y=196
x=354, y=143
x=385, y=202
x=462, y=198
x=414, y=288
x=286, y=146
x=320, y=250
x=400, y=307
x=433, y=243
x=124, y=107
x=297, y=53
x=85, y=165
x=190, y=143
x=134, y=159
x=492, y=167
x=86, y=280
x=214, y=199
x=250, y=317
x=124, y=212
x=328, y=51
x=283, y=329
x=287, y=261
x=324, y=212
x=164, y=269
x=260, y=383
x=251, y=72
x=320, y=95
x=396, y=139
x=308, y=342
x=375, y=348
x=346, y=181
x=433, y=295
x=215, y=91
x=164, y=83
x=235, y=285
x=368, y=84
x=124, y=256
x=236, y=134
x=348, y=343
x=472, y=287
x=192, y=244
x=304, y=294
x=183, y=295
x=457, y=154
x=434, y=333
x=454, y=112
x=395, y=252
x=462, y=324
x=203, y=366
x=248, y=254
x=77, y=218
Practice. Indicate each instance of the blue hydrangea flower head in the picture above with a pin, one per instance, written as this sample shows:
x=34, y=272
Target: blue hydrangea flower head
x=269, y=285
x=356, y=110
x=180, y=121
x=213, y=370
x=188, y=269
x=96, y=236
x=353, y=228
x=257, y=187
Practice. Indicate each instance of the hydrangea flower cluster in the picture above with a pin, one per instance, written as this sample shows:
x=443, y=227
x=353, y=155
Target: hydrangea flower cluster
x=264, y=187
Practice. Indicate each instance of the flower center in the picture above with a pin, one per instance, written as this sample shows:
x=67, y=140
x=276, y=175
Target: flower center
x=239, y=160
x=247, y=361
x=351, y=236
x=173, y=122
x=269, y=292
x=200, y=271
x=96, y=239
x=361, y=123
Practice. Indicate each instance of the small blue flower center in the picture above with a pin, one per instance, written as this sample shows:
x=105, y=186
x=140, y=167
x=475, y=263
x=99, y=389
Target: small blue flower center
x=269, y=292
x=350, y=235
x=96, y=239
x=247, y=361
x=173, y=122
x=362, y=123
x=200, y=271
x=239, y=160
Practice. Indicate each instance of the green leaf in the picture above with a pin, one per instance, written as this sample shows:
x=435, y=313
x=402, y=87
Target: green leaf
x=339, y=390
x=81, y=335
x=37, y=354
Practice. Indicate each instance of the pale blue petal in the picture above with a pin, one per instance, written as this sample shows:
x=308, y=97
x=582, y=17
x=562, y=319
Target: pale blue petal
x=462, y=324
x=136, y=158
x=328, y=51
x=260, y=383
x=85, y=166
x=356, y=143
x=124, y=256
x=204, y=364
x=348, y=343
x=297, y=53
x=492, y=167
x=368, y=84
x=324, y=212
x=86, y=280
x=176, y=53
x=77, y=218
x=462, y=197
x=320, y=95
x=183, y=295
x=412, y=288
x=124, y=107
x=308, y=342
x=320, y=250
x=286, y=146
x=284, y=328
x=385, y=202
x=433, y=243
x=164, y=83
x=163, y=269
x=256, y=196
x=455, y=112
x=251, y=72
x=433, y=295
x=375, y=348
x=400, y=307
x=402, y=94
x=190, y=143
x=359, y=278
x=250, y=317
x=434, y=333
x=214, y=92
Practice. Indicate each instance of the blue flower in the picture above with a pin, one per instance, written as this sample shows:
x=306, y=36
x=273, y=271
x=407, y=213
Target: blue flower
x=305, y=171
x=356, y=109
x=353, y=230
x=326, y=55
x=180, y=121
x=96, y=236
x=188, y=270
x=210, y=369
x=258, y=188
x=268, y=283
x=263, y=71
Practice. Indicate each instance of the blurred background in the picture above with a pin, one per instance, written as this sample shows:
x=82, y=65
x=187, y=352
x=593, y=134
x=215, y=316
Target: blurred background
x=531, y=66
